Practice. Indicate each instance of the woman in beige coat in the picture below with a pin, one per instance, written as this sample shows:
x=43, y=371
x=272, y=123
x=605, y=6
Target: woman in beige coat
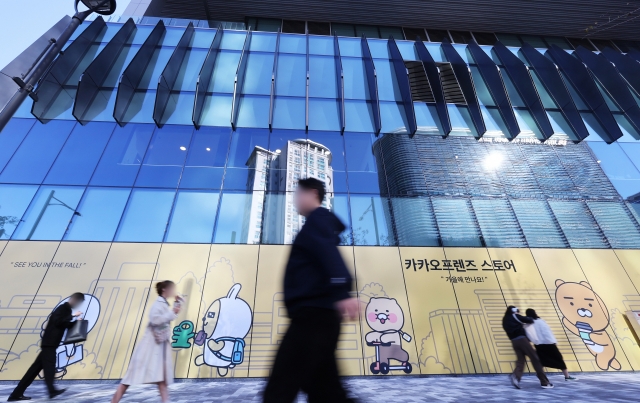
x=151, y=360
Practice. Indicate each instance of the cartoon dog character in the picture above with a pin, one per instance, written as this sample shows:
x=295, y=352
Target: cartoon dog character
x=224, y=326
x=67, y=354
x=386, y=318
x=586, y=316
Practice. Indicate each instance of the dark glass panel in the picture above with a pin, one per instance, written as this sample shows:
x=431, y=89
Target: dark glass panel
x=558, y=41
x=509, y=40
x=80, y=155
x=318, y=28
x=369, y=31
x=437, y=35
x=293, y=27
x=577, y=42
x=485, y=38
x=343, y=29
x=38, y=151
x=412, y=34
x=460, y=36
x=165, y=157
x=123, y=156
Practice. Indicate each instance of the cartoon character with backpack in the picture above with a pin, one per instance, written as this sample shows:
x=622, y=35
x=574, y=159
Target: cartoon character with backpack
x=225, y=324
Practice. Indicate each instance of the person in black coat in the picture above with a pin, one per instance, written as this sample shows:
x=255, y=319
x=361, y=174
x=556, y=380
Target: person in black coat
x=513, y=324
x=59, y=321
x=317, y=288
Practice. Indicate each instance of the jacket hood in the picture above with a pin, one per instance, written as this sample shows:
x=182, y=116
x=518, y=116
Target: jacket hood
x=330, y=219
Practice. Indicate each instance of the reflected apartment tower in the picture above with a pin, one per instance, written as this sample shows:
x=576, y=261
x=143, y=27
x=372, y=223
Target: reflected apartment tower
x=270, y=215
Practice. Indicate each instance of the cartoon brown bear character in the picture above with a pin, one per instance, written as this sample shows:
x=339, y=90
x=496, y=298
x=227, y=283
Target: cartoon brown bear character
x=586, y=316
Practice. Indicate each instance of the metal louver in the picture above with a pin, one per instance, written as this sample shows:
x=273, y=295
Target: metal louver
x=420, y=88
x=452, y=91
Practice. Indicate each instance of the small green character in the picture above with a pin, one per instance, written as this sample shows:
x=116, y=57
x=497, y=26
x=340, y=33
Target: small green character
x=182, y=334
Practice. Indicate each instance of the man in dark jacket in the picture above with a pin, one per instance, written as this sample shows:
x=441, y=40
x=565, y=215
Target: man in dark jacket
x=316, y=292
x=513, y=324
x=59, y=321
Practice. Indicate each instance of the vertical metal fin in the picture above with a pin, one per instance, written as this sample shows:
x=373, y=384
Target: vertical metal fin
x=372, y=83
x=340, y=78
x=627, y=66
x=239, y=80
x=205, y=77
x=274, y=73
x=403, y=83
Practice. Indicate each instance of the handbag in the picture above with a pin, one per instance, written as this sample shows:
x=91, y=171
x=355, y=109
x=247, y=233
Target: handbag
x=78, y=332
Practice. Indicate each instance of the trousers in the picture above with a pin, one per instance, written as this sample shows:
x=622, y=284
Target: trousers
x=306, y=360
x=46, y=362
x=523, y=349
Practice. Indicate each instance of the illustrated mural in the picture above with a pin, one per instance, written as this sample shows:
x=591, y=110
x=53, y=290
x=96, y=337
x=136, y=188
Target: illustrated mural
x=585, y=315
x=386, y=318
x=424, y=310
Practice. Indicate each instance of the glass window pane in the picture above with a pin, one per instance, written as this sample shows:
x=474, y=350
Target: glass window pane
x=243, y=143
x=141, y=108
x=578, y=225
x=318, y=28
x=616, y=223
x=146, y=216
x=100, y=212
x=461, y=123
x=388, y=89
x=289, y=113
x=321, y=45
x=415, y=221
x=340, y=207
x=343, y=29
x=206, y=158
x=362, y=164
x=322, y=77
x=156, y=66
x=369, y=31
x=407, y=50
x=371, y=218
x=538, y=224
x=193, y=217
x=233, y=40
x=355, y=80
x=456, y=222
x=393, y=117
x=324, y=114
x=535, y=41
x=179, y=109
x=224, y=72
x=190, y=69
x=217, y=110
x=498, y=223
x=14, y=200
x=436, y=51
x=79, y=156
x=350, y=47
x=262, y=41
x=618, y=168
x=258, y=75
x=358, y=116
x=379, y=48
x=396, y=32
x=427, y=119
x=291, y=43
x=49, y=213
x=240, y=218
x=509, y=40
x=202, y=38
x=291, y=78
x=334, y=142
x=493, y=122
x=121, y=159
x=438, y=35
x=164, y=160
x=11, y=136
x=253, y=111
x=38, y=151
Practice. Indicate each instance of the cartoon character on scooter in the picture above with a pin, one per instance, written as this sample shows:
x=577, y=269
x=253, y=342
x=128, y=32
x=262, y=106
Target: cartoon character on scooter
x=386, y=318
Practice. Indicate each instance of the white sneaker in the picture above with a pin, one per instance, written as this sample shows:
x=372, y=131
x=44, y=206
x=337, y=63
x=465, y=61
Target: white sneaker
x=514, y=381
x=547, y=386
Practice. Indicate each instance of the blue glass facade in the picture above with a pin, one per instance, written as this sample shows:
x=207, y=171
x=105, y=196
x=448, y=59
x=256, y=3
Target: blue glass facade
x=475, y=159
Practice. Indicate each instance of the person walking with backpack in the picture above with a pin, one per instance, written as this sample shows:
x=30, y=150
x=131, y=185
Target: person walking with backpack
x=513, y=324
x=546, y=347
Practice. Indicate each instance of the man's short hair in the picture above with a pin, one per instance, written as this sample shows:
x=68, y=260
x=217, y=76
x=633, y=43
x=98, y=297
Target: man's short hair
x=78, y=296
x=313, y=184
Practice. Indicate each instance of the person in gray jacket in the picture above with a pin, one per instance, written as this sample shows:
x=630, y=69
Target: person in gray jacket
x=544, y=340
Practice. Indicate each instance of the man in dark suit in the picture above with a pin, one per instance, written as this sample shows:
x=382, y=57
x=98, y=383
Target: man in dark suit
x=317, y=288
x=59, y=321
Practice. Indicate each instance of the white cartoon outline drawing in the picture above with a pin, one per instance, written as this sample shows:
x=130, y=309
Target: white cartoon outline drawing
x=225, y=324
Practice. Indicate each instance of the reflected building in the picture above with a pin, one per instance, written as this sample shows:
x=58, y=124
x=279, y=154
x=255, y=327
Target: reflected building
x=270, y=214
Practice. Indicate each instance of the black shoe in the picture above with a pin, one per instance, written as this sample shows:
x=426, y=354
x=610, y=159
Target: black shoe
x=18, y=398
x=56, y=393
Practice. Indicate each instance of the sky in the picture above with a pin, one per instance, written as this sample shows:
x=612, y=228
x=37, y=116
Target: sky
x=24, y=21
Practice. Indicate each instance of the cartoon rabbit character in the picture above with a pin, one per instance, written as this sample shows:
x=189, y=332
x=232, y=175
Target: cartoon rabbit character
x=224, y=326
x=586, y=316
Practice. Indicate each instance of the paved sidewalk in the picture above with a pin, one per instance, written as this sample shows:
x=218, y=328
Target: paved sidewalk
x=607, y=387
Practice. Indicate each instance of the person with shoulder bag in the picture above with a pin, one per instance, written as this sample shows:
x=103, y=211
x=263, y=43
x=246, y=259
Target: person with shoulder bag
x=151, y=360
x=59, y=321
x=546, y=346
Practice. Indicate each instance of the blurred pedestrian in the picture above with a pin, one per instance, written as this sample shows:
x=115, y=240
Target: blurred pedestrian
x=59, y=321
x=316, y=293
x=151, y=360
x=546, y=346
x=513, y=324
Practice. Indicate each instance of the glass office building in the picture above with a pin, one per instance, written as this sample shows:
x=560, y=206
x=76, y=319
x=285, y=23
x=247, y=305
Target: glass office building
x=472, y=170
